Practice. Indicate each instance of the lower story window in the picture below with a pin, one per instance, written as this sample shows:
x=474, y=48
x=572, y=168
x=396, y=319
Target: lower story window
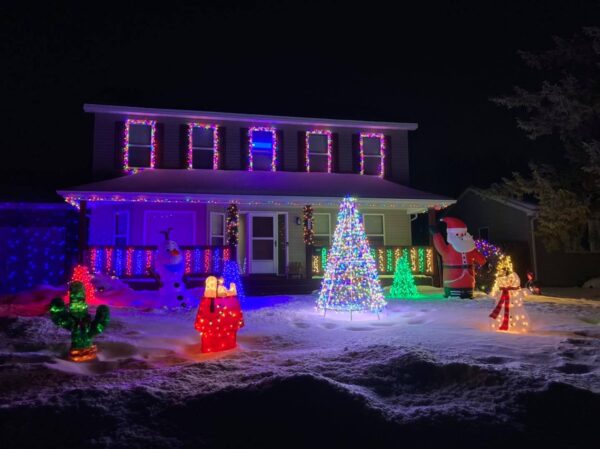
x=374, y=228
x=322, y=229
x=217, y=228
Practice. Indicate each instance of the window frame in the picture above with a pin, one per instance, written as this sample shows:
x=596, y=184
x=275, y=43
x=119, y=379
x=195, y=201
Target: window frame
x=274, y=147
x=191, y=147
x=328, y=154
x=381, y=155
x=382, y=215
x=116, y=233
x=151, y=145
x=328, y=235
x=210, y=229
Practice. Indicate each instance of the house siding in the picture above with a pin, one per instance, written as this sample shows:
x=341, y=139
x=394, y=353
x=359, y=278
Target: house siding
x=108, y=144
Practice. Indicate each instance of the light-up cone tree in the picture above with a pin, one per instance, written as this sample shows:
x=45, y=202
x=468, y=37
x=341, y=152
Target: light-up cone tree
x=404, y=281
x=350, y=282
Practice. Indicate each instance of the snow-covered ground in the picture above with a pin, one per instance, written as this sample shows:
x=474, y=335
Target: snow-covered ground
x=427, y=373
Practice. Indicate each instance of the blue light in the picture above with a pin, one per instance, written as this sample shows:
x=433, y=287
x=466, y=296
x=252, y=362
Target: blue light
x=262, y=145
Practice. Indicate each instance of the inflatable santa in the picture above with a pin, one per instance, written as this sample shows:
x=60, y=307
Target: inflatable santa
x=458, y=257
x=170, y=267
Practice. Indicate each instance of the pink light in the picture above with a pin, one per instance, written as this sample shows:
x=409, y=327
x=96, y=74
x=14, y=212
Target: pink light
x=188, y=261
x=381, y=138
x=129, y=262
x=207, y=260
x=329, y=145
x=93, y=258
x=148, y=259
x=273, y=132
x=190, y=156
x=108, y=263
x=226, y=254
x=128, y=123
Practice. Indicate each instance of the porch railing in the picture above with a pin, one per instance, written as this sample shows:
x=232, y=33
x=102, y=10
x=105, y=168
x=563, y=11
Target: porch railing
x=420, y=259
x=139, y=261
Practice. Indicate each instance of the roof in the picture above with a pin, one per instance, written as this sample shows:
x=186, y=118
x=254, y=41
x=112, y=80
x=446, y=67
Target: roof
x=524, y=206
x=254, y=118
x=256, y=187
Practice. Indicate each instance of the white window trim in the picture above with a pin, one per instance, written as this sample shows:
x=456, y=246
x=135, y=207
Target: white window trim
x=382, y=224
x=210, y=228
x=328, y=235
x=126, y=234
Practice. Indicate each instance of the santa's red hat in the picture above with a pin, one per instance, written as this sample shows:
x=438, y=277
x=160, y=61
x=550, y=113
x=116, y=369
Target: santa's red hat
x=454, y=224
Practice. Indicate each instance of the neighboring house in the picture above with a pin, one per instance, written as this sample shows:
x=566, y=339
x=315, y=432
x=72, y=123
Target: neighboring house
x=511, y=224
x=181, y=169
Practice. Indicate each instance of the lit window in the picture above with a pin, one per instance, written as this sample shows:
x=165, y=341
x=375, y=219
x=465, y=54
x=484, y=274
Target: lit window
x=322, y=229
x=374, y=228
x=262, y=152
x=203, y=146
x=318, y=151
x=372, y=154
x=140, y=144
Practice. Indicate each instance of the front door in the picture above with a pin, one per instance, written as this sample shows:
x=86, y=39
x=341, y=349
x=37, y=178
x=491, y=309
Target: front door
x=263, y=242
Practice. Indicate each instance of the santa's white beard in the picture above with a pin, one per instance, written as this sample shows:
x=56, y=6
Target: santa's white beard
x=462, y=244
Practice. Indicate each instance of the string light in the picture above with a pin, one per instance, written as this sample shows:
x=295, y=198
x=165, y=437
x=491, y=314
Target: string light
x=381, y=138
x=232, y=218
x=273, y=132
x=307, y=220
x=509, y=314
x=318, y=132
x=350, y=282
x=152, y=125
x=190, y=155
x=232, y=275
x=82, y=274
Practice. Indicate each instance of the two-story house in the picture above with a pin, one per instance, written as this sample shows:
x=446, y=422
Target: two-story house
x=181, y=169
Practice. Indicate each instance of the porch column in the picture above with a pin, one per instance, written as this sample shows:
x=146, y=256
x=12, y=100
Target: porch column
x=432, y=221
x=83, y=240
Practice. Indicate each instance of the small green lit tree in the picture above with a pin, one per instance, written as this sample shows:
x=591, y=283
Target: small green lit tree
x=404, y=282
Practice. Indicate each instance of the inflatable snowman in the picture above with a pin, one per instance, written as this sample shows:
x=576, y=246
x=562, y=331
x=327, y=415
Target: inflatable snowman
x=170, y=267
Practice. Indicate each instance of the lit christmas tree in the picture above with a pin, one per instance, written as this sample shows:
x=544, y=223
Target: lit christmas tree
x=350, y=282
x=504, y=267
x=404, y=282
x=231, y=274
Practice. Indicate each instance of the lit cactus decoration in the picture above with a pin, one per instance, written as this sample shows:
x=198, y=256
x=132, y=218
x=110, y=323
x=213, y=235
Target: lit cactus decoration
x=75, y=318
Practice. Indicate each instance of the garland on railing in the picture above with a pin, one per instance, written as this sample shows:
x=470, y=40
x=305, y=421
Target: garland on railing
x=231, y=224
x=309, y=232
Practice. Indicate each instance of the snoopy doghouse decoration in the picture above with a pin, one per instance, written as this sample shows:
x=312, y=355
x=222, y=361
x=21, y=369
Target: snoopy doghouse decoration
x=219, y=316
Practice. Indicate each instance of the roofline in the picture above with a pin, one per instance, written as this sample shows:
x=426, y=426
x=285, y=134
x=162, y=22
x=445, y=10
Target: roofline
x=524, y=207
x=411, y=205
x=255, y=118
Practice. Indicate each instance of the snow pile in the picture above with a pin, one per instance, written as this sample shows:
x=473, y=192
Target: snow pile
x=428, y=373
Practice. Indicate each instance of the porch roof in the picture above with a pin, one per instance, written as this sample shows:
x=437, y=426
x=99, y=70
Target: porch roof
x=257, y=187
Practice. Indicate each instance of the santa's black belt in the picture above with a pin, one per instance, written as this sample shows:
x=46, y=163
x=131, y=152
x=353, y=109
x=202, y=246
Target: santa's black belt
x=458, y=266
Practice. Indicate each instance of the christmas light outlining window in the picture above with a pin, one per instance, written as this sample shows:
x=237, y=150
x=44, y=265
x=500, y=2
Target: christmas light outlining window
x=367, y=155
x=318, y=155
x=199, y=147
x=137, y=142
x=262, y=147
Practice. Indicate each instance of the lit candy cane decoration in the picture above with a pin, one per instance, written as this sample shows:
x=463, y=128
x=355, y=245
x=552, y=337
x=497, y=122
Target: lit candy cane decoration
x=413, y=259
x=93, y=260
x=108, y=260
x=226, y=254
x=188, y=261
x=148, y=265
x=190, y=155
x=207, y=260
x=429, y=260
x=381, y=138
x=152, y=125
x=273, y=132
x=129, y=262
x=329, y=145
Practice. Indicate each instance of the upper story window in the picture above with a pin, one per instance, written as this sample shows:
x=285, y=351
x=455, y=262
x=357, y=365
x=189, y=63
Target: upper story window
x=203, y=146
x=139, y=149
x=318, y=151
x=262, y=151
x=372, y=154
x=374, y=228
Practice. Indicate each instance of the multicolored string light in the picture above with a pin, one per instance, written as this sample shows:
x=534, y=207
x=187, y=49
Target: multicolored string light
x=329, y=147
x=190, y=155
x=307, y=221
x=152, y=125
x=232, y=218
x=273, y=132
x=382, y=150
x=351, y=282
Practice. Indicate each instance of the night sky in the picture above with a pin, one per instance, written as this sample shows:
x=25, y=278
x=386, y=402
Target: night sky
x=432, y=63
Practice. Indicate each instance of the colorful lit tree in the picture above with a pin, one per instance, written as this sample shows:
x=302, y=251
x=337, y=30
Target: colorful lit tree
x=350, y=282
x=404, y=281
